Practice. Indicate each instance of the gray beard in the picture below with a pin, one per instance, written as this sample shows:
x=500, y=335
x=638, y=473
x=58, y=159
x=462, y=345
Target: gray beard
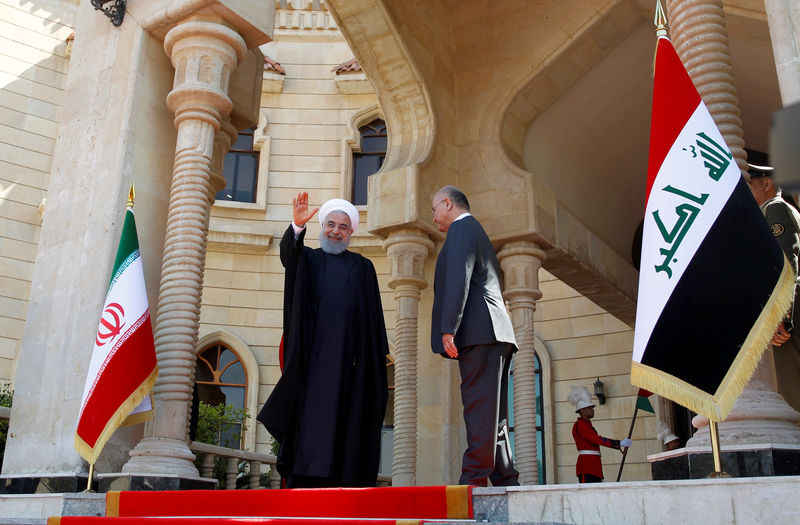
x=332, y=247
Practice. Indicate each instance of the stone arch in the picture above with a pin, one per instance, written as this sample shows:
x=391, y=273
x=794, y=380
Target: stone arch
x=242, y=349
x=392, y=71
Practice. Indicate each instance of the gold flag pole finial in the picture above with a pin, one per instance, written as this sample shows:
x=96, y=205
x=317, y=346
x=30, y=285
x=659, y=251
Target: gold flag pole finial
x=131, y=196
x=660, y=20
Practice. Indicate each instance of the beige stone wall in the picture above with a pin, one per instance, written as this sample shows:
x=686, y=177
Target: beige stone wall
x=585, y=343
x=33, y=67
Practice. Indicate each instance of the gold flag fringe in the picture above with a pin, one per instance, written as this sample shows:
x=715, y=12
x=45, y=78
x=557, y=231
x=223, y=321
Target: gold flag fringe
x=141, y=417
x=90, y=453
x=716, y=407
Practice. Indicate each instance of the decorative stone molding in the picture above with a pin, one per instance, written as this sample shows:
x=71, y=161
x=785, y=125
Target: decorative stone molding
x=273, y=76
x=521, y=261
x=237, y=241
x=204, y=54
x=699, y=31
x=350, y=78
x=407, y=251
x=303, y=15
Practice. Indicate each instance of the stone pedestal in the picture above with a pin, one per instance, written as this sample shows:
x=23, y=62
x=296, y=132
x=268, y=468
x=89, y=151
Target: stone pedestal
x=54, y=484
x=119, y=482
x=739, y=461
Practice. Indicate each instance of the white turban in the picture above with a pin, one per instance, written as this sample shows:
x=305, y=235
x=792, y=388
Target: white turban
x=339, y=205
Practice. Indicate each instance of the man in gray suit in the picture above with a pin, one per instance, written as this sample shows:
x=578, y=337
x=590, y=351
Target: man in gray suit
x=470, y=323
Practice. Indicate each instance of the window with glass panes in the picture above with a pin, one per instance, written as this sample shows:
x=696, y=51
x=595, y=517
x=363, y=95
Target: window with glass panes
x=240, y=170
x=539, y=417
x=221, y=380
x=370, y=159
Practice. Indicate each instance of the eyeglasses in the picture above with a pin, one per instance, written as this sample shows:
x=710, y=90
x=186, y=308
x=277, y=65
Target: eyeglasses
x=341, y=228
x=433, y=208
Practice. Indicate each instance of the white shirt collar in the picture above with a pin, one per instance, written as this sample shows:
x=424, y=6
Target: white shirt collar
x=465, y=214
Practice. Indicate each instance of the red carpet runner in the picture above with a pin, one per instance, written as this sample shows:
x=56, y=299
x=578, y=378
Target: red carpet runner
x=382, y=505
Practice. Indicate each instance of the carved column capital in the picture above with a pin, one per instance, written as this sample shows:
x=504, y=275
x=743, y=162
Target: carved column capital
x=203, y=54
x=407, y=250
x=520, y=261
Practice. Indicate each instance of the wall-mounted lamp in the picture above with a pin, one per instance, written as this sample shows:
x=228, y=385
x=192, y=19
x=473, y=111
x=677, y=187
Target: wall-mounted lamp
x=115, y=11
x=599, y=393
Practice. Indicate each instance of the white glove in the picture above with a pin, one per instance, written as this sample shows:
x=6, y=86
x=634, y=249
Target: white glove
x=625, y=443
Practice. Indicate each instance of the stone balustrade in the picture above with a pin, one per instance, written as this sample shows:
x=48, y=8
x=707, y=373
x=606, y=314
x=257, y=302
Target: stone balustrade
x=232, y=457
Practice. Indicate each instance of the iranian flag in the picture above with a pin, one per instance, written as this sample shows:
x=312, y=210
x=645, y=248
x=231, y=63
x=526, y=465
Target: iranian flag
x=123, y=368
x=713, y=283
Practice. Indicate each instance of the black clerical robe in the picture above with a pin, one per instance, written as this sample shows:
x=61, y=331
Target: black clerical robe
x=327, y=408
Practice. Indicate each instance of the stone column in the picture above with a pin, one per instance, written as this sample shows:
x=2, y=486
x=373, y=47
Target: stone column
x=699, y=33
x=783, y=17
x=204, y=53
x=521, y=261
x=759, y=416
x=407, y=250
x=223, y=139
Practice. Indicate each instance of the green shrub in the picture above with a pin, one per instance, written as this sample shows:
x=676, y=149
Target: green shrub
x=6, y=397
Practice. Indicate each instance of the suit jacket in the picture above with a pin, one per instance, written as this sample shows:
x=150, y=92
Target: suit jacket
x=468, y=301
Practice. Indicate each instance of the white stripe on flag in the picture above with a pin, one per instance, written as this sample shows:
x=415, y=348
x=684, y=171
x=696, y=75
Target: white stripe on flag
x=690, y=191
x=128, y=291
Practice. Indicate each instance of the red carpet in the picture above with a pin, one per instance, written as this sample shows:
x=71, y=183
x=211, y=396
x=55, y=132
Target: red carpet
x=86, y=520
x=382, y=505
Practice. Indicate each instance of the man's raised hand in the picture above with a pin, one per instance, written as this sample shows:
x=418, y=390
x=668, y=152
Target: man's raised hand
x=300, y=213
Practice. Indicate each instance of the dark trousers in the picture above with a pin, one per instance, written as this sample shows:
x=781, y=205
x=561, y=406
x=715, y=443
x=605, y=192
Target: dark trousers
x=589, y=478
x=484, y=394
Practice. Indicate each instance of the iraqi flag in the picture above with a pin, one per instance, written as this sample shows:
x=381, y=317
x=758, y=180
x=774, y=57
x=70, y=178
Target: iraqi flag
x=713, y=283
x=123, y=368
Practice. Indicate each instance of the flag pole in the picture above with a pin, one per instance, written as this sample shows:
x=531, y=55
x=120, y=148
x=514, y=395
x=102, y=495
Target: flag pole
x=131, y=196
x=715, y=451
x=630, y=433
x=91, y=475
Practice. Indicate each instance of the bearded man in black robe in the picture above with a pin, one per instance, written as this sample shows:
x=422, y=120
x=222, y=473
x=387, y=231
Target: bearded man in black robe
x=327, y=409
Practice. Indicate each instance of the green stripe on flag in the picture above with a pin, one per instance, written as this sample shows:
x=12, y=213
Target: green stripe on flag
x=642, y=403
x=128, y=242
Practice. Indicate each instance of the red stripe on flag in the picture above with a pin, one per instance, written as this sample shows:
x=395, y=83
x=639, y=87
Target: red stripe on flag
x=673, y=104
x=644, y=393
x=130, y=366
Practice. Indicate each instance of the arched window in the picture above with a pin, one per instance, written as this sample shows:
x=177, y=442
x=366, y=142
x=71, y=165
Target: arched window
x=220, y=379
x=240, y=170
x=540, y=441
x=369, y=159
